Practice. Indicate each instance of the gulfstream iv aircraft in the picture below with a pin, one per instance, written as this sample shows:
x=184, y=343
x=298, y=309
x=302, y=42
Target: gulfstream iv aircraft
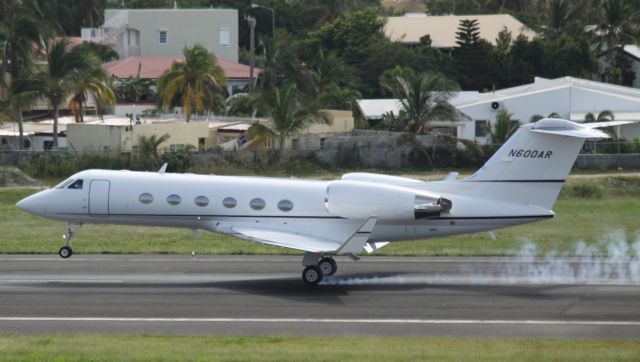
x=361, y=211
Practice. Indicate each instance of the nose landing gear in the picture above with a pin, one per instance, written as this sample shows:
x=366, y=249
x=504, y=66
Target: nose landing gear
x=66, y=251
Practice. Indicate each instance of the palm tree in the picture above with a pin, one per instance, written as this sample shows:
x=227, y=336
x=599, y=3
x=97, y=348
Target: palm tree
x=65, y=70
x=423, y=97
x=288, y=115
x=96, y=84
x=616, y=17
x=502, y=128
x=196, y=80
x=21, y=34
x=149, y=153
x=604, y=116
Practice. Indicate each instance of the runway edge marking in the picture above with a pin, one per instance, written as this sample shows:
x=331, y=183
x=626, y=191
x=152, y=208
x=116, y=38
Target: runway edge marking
x=317, y=320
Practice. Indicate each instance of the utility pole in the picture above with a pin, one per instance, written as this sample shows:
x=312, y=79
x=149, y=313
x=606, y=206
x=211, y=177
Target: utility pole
x=252, y=27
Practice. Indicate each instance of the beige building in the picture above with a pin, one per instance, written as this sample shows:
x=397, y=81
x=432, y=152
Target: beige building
x=165, y=32
x=410, y=28
x=117, y=134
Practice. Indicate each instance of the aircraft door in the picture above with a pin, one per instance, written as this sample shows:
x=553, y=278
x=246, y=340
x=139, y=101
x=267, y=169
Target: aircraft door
x=99, y=198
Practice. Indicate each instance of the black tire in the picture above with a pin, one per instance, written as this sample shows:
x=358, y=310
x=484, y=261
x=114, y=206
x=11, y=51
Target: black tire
x=312, y=275
x=328, y=266
x=65, y=252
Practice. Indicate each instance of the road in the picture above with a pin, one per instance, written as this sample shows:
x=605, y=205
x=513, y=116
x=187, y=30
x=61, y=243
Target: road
x=264, y=295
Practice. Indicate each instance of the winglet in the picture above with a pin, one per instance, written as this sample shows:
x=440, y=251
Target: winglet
x=355, y=243
x=163, y=168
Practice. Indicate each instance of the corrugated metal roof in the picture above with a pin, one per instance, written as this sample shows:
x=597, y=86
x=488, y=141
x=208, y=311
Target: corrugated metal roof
x=442, y=29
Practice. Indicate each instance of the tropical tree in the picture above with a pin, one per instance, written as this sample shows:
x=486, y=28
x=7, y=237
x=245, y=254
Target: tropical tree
x=503, y=127
x=288, y=115
x=21, y=35
x=149, y=150
x=96, y=84
x=615, y=20
x=134, y=89
x=65, y=70
x=558, y=18
x=195, y=80
x=604, y=116
x=423, y=97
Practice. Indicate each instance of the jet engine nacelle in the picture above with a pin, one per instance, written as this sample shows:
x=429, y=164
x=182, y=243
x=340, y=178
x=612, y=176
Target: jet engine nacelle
x=359, y=200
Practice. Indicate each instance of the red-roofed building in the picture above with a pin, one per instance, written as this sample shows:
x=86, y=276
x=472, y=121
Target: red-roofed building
x=236, y=74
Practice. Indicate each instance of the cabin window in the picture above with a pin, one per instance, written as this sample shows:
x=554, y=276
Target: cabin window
x=173, y=199
x=229, y=202
x=202, y=201
x=64, y=183
x=257, y=204
x=285, y=205
x=77, y=185
x=146, y=198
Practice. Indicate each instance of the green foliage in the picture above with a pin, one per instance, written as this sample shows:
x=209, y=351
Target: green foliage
x=148, y=156
x=423, y=97
x=195, y=81
x=179, y=160
x=503, y=127
x=583, y=190
x=49, y=165
x=287, y=113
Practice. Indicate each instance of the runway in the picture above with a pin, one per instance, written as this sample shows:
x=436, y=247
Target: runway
x=264, y=295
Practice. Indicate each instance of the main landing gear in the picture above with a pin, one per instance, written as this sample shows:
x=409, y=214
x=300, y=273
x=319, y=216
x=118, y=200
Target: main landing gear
x=66, y=251
x=317, y=267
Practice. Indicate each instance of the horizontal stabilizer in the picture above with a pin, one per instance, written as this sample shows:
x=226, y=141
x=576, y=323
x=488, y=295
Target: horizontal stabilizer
x=562, y=127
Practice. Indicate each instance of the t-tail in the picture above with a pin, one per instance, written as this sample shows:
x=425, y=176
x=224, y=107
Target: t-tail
x=531, y=167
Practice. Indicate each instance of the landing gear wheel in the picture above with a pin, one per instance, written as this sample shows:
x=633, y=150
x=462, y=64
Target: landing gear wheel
x=65, y=252
x=312, y=275
x=328, y=266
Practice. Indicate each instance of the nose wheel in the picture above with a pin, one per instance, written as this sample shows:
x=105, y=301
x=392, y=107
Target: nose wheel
x=65, y=252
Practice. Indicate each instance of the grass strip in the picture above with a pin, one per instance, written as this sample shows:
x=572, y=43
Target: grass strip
x=97, y=347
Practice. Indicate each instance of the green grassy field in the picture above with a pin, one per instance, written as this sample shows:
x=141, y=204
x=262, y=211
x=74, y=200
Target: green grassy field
x=171, y=348
x=589, y=209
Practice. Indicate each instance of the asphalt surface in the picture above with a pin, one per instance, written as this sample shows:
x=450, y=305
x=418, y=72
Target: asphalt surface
x=264, y=295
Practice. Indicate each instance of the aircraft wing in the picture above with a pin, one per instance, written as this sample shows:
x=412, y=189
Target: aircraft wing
x=310, y=243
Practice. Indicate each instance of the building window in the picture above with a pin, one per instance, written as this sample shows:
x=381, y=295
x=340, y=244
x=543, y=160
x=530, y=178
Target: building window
x=257, y=204
x=481, y=128
x=173, y=199
x=229, y=202
x=285, y=205
x=322, y=143
x=146, y=198
x=224, y=37
x=295, y=143
x=202, y=201
x=163, y=37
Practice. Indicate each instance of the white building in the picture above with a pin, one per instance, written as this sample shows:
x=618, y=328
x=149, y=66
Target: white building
x=633, y=53
x=165, y=32
x=570, y=98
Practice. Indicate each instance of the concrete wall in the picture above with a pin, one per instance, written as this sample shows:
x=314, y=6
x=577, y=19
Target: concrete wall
x=85, y=137
x=623, y=161
x=183, y=26
x=182, y=133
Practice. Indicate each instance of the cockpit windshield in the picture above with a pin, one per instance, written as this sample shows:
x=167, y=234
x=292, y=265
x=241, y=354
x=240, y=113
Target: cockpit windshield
x=77, y=185
x=65, y=183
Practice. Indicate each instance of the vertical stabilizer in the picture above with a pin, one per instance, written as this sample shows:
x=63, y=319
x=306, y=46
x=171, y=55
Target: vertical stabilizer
x=532, y=165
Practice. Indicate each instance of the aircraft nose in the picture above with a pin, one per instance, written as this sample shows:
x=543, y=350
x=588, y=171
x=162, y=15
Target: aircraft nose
x=31, y=204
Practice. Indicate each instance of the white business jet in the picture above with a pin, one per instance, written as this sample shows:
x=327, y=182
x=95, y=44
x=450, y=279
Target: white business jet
x=361, y=211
